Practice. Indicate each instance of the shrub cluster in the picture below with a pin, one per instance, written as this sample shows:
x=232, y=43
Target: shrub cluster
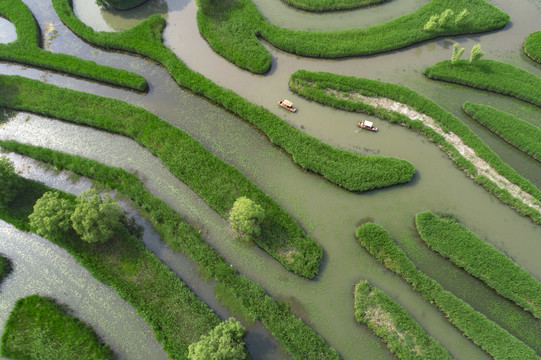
x=39, y=328
x=351, y=171
x=222, y=342
x=515, y=131
x=299, y=339
x=232, y=29
x=217, y=182
x=314, y=86
x=480, y=259
x=532, y=46
x=496, y=341
x=395, y=326
x=490, y=75
x=330, y=5
x=27, y=50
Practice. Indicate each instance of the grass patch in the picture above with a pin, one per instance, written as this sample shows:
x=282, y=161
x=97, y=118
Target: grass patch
x=233, y=27
x=336, y=91
x=228, y=299
x=490, y=75
x=299, y=339
x=532, y=46
x=39, y=328
x=27, y=50
x=351, y=171
x=517, y=132
x=217, y=182
x=480, y=259
x=403, y=335
x=330, y=5
x=496, y=341
x=5, y=267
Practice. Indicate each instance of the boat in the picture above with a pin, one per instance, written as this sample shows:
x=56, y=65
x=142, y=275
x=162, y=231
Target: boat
x=286, y=104
x=368, y=125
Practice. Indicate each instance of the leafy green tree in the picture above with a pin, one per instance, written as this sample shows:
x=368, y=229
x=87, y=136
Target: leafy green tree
x=224, y=342
x=445, y=18
x=431, y=24
x=9, y=182
x=461, y=16
x=96, y=219
x=246, y=217
x=476, y=53
x=51, y=214
x=457, y=53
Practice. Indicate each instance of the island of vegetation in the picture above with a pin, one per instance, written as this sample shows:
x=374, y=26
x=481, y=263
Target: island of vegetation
x=299, y=339
x=515, y=131
x=233, y=28
x=330, y=5
x=399, y=104
x=496, y=341
x=27, y=50
x=489, y=75
x=480, y=259
x=40, y=328
x=532, y=46
x=403, y=335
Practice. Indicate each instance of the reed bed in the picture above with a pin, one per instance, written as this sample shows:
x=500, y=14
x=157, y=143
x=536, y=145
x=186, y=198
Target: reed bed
x=330, y=5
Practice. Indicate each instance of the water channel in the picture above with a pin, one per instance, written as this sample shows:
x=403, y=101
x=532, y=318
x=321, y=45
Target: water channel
x=327, y=213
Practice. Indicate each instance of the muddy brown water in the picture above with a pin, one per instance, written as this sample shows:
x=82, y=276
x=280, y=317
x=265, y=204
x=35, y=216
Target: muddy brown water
x=326, y=212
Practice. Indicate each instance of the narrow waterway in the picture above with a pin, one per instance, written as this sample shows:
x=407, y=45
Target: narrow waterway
x=327, y=213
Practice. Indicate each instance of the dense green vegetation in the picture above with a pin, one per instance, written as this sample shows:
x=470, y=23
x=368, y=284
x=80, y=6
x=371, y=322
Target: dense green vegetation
x=217, y=182
x=224, y=342
x=39, y=328
x=299, y=339
x=351, y=171
x=334, y=90
x=232, y=28
x=532, y=46
x=120, y=4
x=9, y=186
x=27, y=50
x=496, y=341
x=515, y=131
x=403, y=335
x=464, y=248
x=490, y=75
x=5, y=267
x=177, y=316
x=330, y=5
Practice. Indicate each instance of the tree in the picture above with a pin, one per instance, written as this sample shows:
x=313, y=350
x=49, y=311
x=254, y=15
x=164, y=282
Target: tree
x=51, y=215
x=246, y=216
x=456, y=54
x=445, y=17
x=432, y=23
x=461, y=16
x=476, y=53
x=96, y=219
x=9, y=182
x=224, y=342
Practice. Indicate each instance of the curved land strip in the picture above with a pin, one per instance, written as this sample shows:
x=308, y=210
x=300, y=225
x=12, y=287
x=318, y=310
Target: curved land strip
x=403, y=335
x=517, y=132
x=218, y=183
x=124, y=263
x=299, y=339
x=39, y=328
x=400, y=104
x=351, y=171
x=330, y=5
x=5, y=267
x=496, y=341
x=490, y=75
x=480, y=259
x=232, y=29
x=532, y=46
x=27, y=50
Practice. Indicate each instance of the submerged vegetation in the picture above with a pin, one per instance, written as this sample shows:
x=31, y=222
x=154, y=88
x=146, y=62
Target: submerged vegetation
x=480, y=259
x=353, y=94
x=120, y=4
x=403, y=335
x=218, y=183
x=532, y=46
x=490, y=75
x=27, y=50
x=299, y=339
x=232, y=29
x=39, y=328
x=496, y=341
x=515, y=131
x=330, y=5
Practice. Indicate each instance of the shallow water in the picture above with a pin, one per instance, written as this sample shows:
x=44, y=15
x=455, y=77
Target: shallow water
x=327, y=213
